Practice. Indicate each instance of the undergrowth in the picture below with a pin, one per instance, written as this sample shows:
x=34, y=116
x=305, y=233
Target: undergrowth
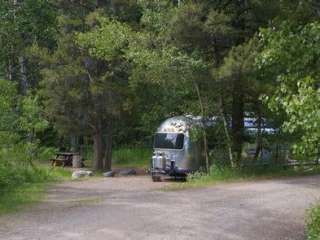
x=124, y=157
x=132, y=157
x=226, y=174
x=313, y=223
x=21, y=185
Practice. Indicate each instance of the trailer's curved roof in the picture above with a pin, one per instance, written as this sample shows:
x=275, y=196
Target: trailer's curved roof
x=179, y=124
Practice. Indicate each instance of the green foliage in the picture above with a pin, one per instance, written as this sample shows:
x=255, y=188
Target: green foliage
x=135, y=63
x=31, y=120
x=313, y=223
x=187, y=27
x=23, y=23
x=220, y=174
x=8, y=117
x=217, y=173
x=21, y=117
x=76, y=82
x=196, y=133
x=239, y=64
x=20, y=196
x=36, y=21
x=20, y=122
x=132, y=157
x=291, y=57
x=16, y=171
x=149, y=67
x=20, y=186
x=156, y=16
x=108, y=41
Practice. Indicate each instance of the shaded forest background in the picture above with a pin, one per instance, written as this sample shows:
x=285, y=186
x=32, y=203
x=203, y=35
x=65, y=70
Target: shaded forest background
x=105, y=73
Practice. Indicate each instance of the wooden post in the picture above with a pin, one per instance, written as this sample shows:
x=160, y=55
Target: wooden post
x=76, y=161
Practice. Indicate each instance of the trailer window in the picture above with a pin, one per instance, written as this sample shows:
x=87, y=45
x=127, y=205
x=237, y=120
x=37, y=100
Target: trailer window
x=169, y=140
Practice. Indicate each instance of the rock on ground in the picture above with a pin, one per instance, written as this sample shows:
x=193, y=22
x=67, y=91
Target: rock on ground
x=81, y=173
x=109, y=174
x=127, y=172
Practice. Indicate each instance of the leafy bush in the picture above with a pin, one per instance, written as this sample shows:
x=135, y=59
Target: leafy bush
x=217, y=173
x=225, y=173
x=16, y=170
x=20, y=121
x=313, y=223
x=21, y=181
x=139, y=157
x=132, y=157
x=22, y=184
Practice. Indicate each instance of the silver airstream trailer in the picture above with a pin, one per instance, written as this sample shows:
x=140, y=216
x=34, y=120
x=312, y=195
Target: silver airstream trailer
x=175, y=153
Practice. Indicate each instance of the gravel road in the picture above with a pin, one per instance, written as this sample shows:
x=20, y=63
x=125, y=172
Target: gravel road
x=136, y=208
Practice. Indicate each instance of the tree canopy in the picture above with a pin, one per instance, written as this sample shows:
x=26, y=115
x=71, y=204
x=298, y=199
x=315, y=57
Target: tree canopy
x=108, y=72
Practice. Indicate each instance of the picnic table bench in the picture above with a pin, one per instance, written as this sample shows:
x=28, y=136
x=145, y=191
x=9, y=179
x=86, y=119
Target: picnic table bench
x=64, y=159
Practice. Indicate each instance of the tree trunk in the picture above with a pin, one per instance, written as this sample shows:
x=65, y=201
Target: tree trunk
x=98, y=148
x=238, y=95
x=103, y=147
x=23, y=75
x=74, y=143
x=237, y=120
x=107, y=161
x=9, y=70
x=226, y=131
x=204, y=134
x=205, y=143
x=101, y=3
x=259, y=133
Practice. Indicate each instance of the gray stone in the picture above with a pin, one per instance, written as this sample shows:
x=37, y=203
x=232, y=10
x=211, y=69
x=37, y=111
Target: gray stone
x=81, y=174
x=109, y=174
x=127, y=172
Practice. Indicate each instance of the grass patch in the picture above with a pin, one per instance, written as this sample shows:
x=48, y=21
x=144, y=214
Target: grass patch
x=132, y=157
x=225, y=174
x=313, y=223
x=58, y=174
x=17, y=195
x=124, y=157
x=15, y=199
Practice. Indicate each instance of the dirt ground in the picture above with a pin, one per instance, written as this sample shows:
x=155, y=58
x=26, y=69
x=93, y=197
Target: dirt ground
x=137, y=208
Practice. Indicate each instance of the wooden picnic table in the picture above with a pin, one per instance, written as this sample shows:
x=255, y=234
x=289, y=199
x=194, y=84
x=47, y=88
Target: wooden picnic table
x=63, y=159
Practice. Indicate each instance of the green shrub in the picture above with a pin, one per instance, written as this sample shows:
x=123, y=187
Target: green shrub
x=138, y=157
x=224, y=173
x=132, y=157
x=216, y=173
x=16, y=167
x=15, y=174
x=22, y=183
x=313, y=223
x=28, y=186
